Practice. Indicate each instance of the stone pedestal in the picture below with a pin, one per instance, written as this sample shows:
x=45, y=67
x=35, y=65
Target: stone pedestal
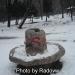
x=35, y=41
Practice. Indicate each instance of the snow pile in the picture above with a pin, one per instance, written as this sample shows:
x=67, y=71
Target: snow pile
x=20, y=53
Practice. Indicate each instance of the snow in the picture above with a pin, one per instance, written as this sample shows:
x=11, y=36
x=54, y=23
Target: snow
x=20, y=53
x=57, y=30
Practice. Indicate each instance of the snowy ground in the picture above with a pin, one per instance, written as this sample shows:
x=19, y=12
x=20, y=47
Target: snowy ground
x=57, y=30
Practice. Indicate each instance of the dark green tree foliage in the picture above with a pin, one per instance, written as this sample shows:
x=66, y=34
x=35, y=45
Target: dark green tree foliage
x=47, y=4
x=70, y=3
x=33, y=11
x=18, y=9
x=9, y=12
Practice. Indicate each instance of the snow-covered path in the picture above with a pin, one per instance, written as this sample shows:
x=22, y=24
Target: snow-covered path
x=57, y=30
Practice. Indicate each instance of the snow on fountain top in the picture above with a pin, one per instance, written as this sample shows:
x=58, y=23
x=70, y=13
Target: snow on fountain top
x=20, y=53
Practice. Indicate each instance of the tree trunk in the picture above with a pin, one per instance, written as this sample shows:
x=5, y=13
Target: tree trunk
x=8, y=11
x=46, y=17
x=62, y=9
x=71, y=10
x=24, y=18
x=8, y=22
x=26, y=14
x=41, y=10
x=16, y=22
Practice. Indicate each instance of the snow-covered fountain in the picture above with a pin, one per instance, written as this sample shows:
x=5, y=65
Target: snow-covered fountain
x=36, y=51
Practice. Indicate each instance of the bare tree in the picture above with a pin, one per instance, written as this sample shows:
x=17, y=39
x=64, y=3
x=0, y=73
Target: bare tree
x=28, y=11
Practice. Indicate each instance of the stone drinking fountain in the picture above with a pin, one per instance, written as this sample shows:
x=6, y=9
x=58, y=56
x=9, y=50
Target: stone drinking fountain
x=36, y=51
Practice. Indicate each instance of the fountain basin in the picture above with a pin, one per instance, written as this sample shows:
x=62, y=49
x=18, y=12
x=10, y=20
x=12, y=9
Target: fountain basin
x=53, y=53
